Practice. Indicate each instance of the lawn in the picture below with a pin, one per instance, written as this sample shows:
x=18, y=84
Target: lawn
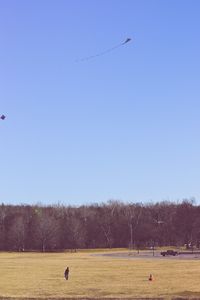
x=38, y=275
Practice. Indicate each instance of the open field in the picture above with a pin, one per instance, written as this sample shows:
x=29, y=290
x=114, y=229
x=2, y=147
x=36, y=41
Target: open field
x=38, y=275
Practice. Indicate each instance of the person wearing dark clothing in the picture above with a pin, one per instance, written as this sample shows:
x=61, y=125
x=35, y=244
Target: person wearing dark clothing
x=66, y=273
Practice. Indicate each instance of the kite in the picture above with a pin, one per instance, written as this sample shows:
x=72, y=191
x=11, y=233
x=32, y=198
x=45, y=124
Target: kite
x=104, y=52
x=2, y=117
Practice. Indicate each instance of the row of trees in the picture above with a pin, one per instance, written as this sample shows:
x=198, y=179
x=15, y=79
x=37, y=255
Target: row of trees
x=111, y=224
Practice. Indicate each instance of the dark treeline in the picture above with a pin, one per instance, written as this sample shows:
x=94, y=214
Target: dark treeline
x=111, y=224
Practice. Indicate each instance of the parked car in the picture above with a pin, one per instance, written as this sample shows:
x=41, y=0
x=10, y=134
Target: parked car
x=169, y=252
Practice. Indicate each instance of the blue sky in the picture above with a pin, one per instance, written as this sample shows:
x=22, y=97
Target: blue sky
x=122, y=126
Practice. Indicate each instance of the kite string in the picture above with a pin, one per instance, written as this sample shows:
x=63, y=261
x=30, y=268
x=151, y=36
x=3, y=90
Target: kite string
x=101, y=53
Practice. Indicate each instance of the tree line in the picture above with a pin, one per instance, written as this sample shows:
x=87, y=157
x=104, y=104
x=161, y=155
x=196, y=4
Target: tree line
x=105, y=225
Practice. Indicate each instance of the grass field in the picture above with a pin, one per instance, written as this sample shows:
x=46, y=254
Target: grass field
x=38, y=275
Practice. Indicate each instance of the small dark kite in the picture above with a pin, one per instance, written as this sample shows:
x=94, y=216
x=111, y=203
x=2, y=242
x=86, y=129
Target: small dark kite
x=104, y=52
x=3, y=117
x=127, y=40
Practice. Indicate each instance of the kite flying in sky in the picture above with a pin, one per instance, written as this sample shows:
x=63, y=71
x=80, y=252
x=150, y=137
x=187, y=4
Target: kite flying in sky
x=2, y=117
x=106, y=51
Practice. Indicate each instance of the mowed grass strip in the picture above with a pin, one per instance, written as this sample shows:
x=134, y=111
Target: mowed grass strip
x=41, y=275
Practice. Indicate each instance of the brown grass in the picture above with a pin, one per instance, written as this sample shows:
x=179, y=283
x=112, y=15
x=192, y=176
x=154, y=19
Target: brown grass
x=40, y=276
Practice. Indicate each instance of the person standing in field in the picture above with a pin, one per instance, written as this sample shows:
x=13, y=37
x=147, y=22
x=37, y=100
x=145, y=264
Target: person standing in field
x=150, y=277
x=66, y=274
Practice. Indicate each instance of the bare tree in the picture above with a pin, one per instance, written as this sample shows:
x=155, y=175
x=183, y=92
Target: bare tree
x=46, y=232
x=133, y=213
x=3, y=214
x=17, y=234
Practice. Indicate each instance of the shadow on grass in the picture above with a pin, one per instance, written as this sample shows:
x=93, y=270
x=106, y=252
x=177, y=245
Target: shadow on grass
x=186, y=295
x=87, y=298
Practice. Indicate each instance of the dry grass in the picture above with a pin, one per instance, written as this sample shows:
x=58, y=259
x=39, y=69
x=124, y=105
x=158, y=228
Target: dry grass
x=37, y=275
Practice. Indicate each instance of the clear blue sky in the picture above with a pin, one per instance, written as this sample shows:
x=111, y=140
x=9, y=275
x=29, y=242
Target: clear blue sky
x=122, y=126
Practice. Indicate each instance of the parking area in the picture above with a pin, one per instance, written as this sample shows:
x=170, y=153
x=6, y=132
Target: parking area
x=151, y=255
